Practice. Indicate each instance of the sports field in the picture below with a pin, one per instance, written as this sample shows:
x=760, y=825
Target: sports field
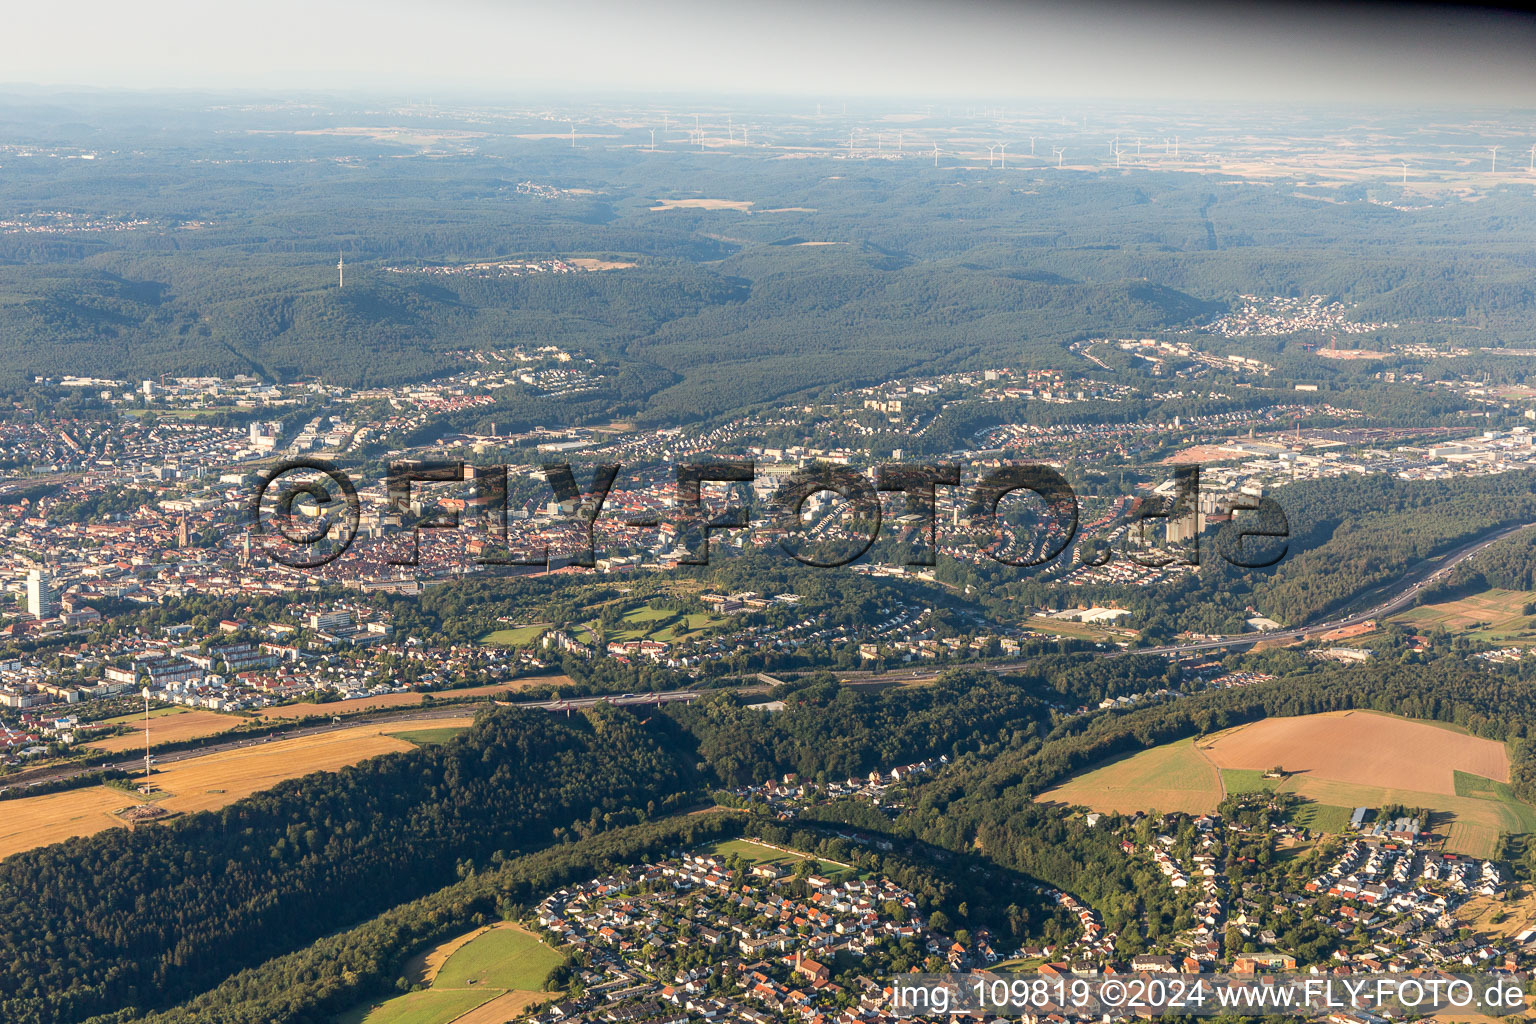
x=176, y=724
x=199, y=783
x=1337, y=761
x=488, y=976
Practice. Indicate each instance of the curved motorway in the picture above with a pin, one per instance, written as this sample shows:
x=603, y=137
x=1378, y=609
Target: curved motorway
x=1410, y=585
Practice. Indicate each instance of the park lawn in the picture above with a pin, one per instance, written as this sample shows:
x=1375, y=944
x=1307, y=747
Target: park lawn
x=432, y=1006
x=518, y=637
x=756, y=853
x=645, y=613
x=427, y=737
x=691, y=625
x=504, y=958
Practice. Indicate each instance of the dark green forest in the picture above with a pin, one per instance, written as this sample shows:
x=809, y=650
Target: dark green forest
x=933, y=268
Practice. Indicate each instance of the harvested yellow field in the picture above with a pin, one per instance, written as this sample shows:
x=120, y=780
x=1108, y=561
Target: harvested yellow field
x=703, y=204
x=1362, y=748
x=40, y=820
x=588, y=263
x=1171, y=778
x=202, y=783
x=184, y=725
x=1334, y=761
x=508, y=1006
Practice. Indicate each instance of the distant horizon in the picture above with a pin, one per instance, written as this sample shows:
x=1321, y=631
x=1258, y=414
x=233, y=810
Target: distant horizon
x=769, y=103
x=1349, y=54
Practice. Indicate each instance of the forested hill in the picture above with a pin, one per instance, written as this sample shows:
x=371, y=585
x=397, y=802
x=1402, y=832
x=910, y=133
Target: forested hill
x=143, y=918
x=785, y=275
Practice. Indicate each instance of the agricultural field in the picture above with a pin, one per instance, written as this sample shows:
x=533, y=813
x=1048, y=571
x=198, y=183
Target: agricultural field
x=1336, y=761
x=488, y=976
x=1170, y=778
x=41, y=820
x=1494, y=616
x=203, y=783
x=703, y=204
x=198, y=783
x=1361, y=748
x=169, y=726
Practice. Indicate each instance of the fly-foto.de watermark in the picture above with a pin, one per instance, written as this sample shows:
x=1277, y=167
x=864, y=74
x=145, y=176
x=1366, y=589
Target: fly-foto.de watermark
x=306, y=512
x=983, y=993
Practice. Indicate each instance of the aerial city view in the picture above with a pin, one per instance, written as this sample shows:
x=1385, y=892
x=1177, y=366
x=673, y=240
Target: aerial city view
x=677, y=514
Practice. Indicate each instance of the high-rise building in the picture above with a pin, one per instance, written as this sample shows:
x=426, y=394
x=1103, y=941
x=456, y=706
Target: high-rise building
x=40, y=597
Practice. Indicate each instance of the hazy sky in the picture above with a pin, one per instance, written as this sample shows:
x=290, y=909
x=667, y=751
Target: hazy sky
x=830, y=50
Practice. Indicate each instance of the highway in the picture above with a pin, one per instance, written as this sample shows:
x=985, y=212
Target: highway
x=1409, y=588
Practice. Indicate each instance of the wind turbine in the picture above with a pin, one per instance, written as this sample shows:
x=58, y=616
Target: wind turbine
x=341, y=270
x=1138, y=145
x=935, y=154
x=1031, y=145
x=990, y=150
x=573, y=134
x=1059, y=154
x=1175, y=147
x=1495, y=166
x=850, y=143
x=1117, y=158
x=653, y=140
x=899, y=137
x=1533, y=158
x=1405, y=175
x=1003, y=146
